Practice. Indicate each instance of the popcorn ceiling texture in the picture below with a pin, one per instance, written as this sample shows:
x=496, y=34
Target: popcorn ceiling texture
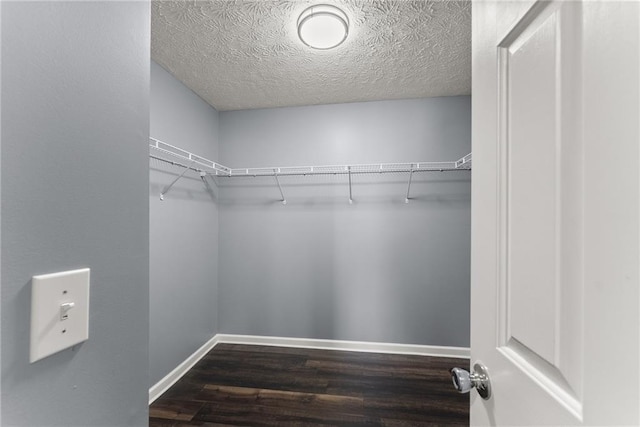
x=246, y=54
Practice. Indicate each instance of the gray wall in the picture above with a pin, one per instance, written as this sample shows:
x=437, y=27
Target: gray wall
x=378, y=270
x=75, y=108
x=0, y=211
x=184, y=229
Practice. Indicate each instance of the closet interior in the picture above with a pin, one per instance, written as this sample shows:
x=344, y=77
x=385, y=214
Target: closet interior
x=308, y=198
x=246, y=243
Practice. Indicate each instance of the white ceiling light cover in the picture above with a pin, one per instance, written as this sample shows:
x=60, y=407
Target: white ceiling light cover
x=323, y=26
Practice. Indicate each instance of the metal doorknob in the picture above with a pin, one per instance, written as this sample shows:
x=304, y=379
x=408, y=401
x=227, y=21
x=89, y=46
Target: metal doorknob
x=463, y=381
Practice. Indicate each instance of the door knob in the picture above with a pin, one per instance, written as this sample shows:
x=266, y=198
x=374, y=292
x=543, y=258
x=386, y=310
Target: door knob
x=464, y=381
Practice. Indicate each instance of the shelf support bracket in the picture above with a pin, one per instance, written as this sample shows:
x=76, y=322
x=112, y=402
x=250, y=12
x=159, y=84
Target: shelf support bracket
x=406, y=199
x=350, y=192
x=168, y=187
x=275, y=174
x=462, y=161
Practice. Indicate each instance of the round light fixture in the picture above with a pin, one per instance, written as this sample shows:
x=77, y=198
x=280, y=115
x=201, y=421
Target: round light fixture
x=323, y=26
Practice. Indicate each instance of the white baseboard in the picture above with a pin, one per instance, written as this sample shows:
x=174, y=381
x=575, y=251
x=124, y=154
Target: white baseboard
x=172, y=377
x=363, y=346
x=369, y=347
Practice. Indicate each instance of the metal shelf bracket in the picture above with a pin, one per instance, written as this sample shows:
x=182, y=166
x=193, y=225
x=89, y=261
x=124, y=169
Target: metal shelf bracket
x=406, y=199
x=168, y=187
x=284, y=200
x=350, y=193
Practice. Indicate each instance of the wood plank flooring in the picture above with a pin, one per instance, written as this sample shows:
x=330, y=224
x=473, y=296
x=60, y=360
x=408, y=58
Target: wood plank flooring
x=276, y=386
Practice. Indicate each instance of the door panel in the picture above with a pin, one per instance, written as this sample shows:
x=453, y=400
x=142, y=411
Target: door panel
x=541, y=197
x=530, y=220
x=543, y=257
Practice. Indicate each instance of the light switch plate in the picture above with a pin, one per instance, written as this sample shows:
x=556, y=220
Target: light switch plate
x=54, y=326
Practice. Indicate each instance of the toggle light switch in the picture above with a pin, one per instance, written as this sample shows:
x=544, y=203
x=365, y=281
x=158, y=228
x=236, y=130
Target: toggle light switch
x=64, y=307
x=59, y=312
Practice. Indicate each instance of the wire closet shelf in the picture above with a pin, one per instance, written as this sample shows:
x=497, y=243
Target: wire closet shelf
x=177, y=156
x=189, y=161
x=184, y=158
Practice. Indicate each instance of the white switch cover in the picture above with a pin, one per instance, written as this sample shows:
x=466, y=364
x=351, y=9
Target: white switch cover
x=59, y=312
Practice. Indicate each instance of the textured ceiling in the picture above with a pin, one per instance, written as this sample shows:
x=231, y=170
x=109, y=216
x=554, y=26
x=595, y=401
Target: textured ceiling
x=240, y=54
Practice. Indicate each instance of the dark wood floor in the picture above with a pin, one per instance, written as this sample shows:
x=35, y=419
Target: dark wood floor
x=276, y=386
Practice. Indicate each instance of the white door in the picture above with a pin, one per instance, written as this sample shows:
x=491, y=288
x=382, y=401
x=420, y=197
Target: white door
x=556, y=212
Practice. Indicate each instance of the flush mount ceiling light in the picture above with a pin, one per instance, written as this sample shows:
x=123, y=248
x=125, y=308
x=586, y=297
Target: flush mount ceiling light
x=323, y=26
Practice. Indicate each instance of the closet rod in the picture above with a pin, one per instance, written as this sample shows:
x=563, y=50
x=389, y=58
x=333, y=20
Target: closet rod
x=353, y=172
